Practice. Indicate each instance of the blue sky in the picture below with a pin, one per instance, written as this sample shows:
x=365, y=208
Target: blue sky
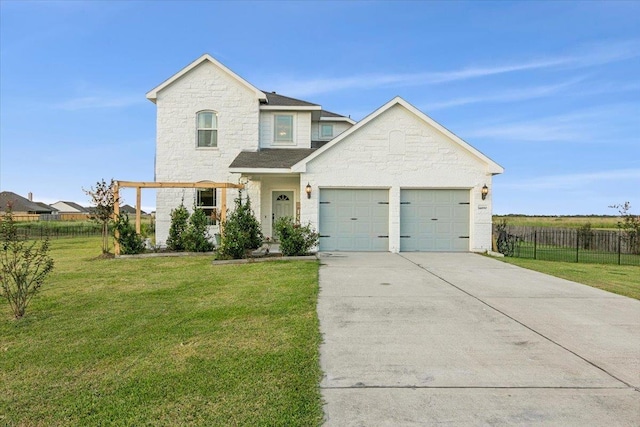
x=549, y=90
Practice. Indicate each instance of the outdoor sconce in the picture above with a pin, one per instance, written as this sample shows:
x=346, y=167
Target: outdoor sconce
x=484, y=192
x=308, y=190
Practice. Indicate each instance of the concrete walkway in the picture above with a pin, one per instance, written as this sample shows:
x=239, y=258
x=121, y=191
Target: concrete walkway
x=461, y=339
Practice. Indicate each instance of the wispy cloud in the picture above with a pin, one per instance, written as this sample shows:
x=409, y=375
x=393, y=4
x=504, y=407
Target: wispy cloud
x=94, y=102
x=573, y=180
x=596, y=125
x=597, y=54
x=506, y=95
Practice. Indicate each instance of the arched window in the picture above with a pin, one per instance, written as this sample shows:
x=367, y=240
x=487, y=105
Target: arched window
x=207, y=122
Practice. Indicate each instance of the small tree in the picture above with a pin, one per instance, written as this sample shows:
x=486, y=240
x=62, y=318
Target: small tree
x=130, y=241
x=240, y=232
x=103, y=199
x=179, y=218
x=585, y=234
x=196, y=236
x=629, y=224
x=295, y=239
x=23, y=266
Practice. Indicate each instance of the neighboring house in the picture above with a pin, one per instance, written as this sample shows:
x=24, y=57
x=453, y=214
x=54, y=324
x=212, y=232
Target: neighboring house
x=69, y=208
x=395, y=181
x=21, y=205
x=130, y=210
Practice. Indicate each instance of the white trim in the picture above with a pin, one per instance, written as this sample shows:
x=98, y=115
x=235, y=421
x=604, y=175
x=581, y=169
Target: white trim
x=290, y=108
x=493, y=167
x=152, y=95
x=338, y=119
x=261, y=170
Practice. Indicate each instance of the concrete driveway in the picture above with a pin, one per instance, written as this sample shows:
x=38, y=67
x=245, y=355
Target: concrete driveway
x=461, y=339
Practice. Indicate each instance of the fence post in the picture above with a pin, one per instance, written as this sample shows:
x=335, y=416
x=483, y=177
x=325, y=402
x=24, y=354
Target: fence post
x=535, y=244
x=619, y=247
x=577, y=246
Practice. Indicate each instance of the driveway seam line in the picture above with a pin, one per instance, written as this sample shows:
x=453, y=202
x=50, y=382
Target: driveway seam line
x=475, y=387
x=522, y=324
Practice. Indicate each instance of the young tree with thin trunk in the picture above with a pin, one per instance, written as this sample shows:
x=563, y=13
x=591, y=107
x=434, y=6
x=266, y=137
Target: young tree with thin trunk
x=24, y=266
x=103, y=198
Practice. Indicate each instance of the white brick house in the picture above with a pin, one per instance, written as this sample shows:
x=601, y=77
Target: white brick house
x=395, y=181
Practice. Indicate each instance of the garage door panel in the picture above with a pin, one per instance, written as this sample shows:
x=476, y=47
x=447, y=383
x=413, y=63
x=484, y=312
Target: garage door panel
x=354, y=220
x=434, y=220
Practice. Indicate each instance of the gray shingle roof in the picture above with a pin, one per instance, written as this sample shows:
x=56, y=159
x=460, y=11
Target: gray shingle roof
x=271, y=158
x=20, y=204
x=325, y=113
x=278, y=100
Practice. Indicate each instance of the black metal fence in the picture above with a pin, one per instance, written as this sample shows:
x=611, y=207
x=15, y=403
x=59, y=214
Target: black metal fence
x=569, y=245
x=38, y=230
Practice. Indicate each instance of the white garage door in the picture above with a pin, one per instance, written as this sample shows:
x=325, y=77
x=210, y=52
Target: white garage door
x=434, y=220
x=354, y=220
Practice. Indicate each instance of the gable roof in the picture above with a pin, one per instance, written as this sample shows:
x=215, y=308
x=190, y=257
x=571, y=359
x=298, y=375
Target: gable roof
x=152, y=95
x=21, y=204
x=493, y=167
x=73, y=205
x=270, y=158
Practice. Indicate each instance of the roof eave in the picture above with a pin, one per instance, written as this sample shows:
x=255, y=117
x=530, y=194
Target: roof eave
x=260, y=170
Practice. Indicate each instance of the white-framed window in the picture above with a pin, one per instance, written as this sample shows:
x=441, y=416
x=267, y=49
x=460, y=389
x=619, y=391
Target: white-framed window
x=206, y=199
x=283, y=128
x=207, y=123
x=326, y=131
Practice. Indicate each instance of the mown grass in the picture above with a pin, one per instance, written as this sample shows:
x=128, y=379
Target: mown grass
x=163, y=341
x=597, y=222
x=619, y=279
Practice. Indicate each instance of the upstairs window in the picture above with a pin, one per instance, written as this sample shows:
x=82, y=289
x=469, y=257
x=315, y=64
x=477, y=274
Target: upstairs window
x=283, y=129
x=207, y=129
x=326, y=131
x=206, y=200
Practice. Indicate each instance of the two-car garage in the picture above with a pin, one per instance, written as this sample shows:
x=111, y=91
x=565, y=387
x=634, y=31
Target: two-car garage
x=358, y=219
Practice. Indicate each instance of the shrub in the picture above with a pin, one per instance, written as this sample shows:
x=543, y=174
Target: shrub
x=130, y=241
x=196, y=236
x=179, y=218
x=295, y=239
x=240, y=232
x=23, y=266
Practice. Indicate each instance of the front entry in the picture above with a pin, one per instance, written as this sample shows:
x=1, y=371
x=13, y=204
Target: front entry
x=282, y=205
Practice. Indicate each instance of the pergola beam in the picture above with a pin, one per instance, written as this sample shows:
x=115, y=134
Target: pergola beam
x=139, y=185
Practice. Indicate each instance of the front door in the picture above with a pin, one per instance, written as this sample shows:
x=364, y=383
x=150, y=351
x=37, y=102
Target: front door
x=282, y=205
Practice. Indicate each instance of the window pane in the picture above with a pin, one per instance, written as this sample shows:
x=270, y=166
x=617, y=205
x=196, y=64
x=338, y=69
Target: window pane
x=204, y=120
x=326, y=131
x=284, y=128
x=207, y=197
x=207, y=138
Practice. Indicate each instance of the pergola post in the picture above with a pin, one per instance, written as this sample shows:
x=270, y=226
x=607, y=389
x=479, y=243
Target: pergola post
x=116, y=213
x=138, y=210
x=140, y=185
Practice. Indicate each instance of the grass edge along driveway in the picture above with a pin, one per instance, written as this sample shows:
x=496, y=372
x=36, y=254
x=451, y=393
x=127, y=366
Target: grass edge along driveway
x=619, y=279
x=163, y=341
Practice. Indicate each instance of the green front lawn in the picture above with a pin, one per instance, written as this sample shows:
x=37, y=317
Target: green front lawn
x=163, y=341
x=619, y=279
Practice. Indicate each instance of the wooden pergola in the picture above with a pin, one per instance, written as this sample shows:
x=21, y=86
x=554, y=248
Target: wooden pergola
x=140, y=185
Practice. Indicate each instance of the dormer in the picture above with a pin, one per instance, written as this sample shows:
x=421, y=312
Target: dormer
x=286, y=122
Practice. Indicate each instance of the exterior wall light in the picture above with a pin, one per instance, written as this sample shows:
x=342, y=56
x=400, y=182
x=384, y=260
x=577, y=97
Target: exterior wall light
x=307, y=189
x=484, y=192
